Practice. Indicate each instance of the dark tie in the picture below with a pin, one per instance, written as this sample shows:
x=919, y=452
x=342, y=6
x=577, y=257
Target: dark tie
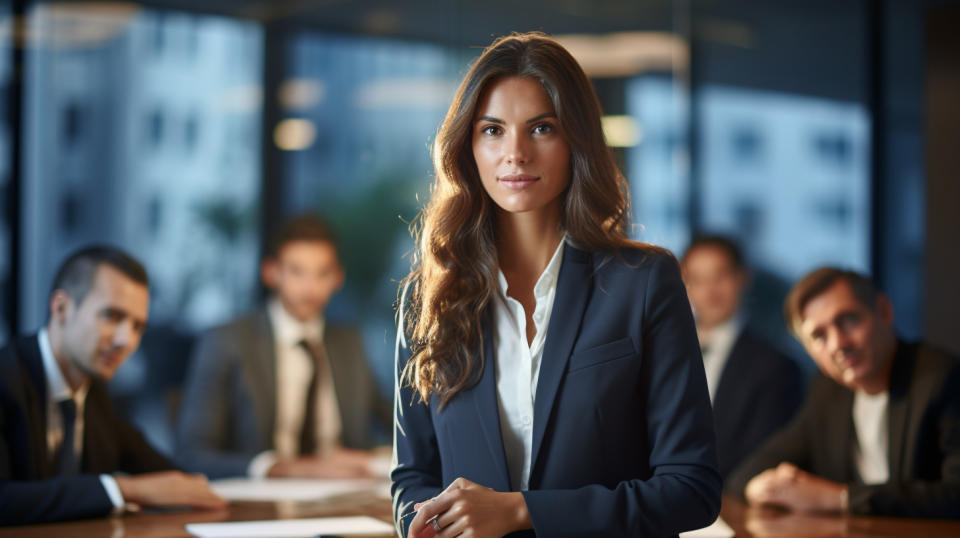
x=308, y=433
x=67, y=461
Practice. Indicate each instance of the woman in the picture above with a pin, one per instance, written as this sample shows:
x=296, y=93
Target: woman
x=549, y=378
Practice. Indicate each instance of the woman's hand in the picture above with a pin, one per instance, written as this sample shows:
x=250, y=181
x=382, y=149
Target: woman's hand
x=469, y=509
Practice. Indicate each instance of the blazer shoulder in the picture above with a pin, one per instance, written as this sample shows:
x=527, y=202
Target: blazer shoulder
x=764, y=355
x=238, y=331
x=637, y=257
x=342, y=330
x=935, y=371
x=20, y=365
x=251, y=321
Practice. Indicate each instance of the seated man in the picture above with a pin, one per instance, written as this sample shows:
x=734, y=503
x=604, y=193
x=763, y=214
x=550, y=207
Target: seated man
x=60, y=441
x=280, y=392
x=755, y=389
x=879, y=432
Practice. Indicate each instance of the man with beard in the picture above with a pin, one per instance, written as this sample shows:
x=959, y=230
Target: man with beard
x=879, y=432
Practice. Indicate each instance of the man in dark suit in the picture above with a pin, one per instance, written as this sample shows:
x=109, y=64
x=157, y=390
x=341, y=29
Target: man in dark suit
x=880, y=430
x=281, y=392
x=755, y=389
x=60, y=441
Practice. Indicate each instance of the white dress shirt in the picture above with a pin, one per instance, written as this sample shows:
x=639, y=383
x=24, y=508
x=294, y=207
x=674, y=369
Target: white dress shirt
x=295, y=370
x=518, y=366
x=872, y=427
x=58, y=391
x=716, y=346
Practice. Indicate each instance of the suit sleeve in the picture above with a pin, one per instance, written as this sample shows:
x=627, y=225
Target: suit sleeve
x=55, y=499
x=205, y=415
x=790, y=444
x=416, y=475
x=774, y=399
x=379, y=420
x=931, y=498
x=683, y=492
x=43, y=501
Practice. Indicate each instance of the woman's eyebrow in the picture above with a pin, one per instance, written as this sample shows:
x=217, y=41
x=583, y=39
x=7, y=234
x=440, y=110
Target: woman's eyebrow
x=542, y=116
x=491, y=120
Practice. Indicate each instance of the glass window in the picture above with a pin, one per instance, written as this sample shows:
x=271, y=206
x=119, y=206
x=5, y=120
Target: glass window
x=657, y=166
x=5, y=179
x=374, y=105
x=788, y=175
x=98, y=84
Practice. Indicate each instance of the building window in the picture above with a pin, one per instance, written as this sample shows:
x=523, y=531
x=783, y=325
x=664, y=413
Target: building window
x=72, y=123
x=155, y=127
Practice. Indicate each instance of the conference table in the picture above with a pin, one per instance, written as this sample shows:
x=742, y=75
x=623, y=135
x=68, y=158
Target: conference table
x=745, y=521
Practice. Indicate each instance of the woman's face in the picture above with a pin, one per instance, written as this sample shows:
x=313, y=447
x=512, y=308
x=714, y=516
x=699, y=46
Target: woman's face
x=521, y=154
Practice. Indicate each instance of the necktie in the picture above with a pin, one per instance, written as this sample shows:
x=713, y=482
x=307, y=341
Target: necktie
x=67, y=463
x=308, y=433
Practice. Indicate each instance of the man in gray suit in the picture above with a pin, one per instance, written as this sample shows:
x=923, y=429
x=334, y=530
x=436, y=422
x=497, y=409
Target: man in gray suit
x=280, y=392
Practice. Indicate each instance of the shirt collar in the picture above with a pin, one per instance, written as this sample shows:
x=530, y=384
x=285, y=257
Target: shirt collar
x=289, y=330
x=547, y=280
x=57, y=388
x=723, y=333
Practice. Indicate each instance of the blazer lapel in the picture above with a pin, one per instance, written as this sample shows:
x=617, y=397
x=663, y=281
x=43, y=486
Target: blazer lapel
x=841, y=457
x=42, y=467
x=485, y=401
x=570, y=301
x=901, y=374
x=262, y=364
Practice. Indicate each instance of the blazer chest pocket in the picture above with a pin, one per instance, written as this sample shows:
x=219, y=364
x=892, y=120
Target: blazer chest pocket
x=603, y=353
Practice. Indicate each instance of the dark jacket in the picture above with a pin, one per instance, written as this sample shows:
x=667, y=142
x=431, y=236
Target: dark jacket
x=30, y=490
x=760, y=390
x=229, y=406
x=924, y=439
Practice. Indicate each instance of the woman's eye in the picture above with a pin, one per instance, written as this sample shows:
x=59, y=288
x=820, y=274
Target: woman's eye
x=543, y=128
x=491, y=130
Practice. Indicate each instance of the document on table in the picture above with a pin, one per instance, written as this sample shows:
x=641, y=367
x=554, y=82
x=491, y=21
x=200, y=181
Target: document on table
x=293, y=528
x=294, y=489
x=719, y=529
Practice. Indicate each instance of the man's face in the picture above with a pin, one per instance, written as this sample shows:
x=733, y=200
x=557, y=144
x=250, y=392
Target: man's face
x=103, y=330
x=851, y=342
x=713, y=283
x=304, y=276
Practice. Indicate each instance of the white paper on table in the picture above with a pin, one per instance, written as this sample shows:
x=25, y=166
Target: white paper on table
x=293, y=528
x=291, y=489
x=719, y=529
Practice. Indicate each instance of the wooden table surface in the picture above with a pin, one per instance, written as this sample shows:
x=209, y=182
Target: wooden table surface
x=745, y=521
x=171, y=524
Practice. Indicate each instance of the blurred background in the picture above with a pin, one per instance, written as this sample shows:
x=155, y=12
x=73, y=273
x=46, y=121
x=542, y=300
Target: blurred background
x=815, y=132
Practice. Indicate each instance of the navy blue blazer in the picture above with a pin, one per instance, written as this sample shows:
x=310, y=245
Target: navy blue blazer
x=30, y=490
x=623, y=440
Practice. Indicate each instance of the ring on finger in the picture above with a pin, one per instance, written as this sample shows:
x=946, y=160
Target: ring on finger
x=436, y=526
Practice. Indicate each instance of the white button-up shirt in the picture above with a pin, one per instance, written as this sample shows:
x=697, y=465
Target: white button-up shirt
x=57, y=391
x=518, y=366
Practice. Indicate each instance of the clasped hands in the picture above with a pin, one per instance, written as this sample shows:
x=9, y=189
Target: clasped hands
x=469, y=509
x=788, y=486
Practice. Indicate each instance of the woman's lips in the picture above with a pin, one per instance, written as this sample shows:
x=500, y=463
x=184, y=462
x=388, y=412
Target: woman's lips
x=517, y=182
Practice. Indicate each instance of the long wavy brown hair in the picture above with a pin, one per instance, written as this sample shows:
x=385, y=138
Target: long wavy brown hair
x=453, y=279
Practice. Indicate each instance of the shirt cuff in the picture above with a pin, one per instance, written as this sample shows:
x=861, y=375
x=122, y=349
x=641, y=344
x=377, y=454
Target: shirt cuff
x=113, y=491
x=260, y=465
